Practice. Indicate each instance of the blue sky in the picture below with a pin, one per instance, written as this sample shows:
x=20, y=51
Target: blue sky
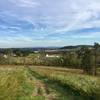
x=33, y=23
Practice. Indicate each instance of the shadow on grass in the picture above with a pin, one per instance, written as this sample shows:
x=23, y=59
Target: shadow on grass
x=65, y=91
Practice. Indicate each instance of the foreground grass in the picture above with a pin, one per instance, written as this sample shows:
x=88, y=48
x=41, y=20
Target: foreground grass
x=87, y=86
x=19, y=83
x=16, y=83
x=36, y=83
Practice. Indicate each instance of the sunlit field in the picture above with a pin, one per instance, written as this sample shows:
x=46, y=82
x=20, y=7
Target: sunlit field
x=16, y=83
x=40, y=83
x=86, y=86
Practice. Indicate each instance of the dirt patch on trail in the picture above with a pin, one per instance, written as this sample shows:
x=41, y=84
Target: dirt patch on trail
x=41, y=89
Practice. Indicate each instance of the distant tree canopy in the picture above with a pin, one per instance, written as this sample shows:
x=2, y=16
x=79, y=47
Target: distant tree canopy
x=96, y=53
x=89, y=58
x=86, y=61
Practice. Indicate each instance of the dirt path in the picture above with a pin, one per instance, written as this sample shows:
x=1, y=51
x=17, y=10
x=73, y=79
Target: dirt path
x=41, y=89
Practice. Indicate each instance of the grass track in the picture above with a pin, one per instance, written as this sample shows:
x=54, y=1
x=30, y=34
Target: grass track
x=21, y=83
x=87, y=86
x=61, y=92
x=27, y=83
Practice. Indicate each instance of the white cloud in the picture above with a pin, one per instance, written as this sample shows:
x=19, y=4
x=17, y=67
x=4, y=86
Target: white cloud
x=50, y=17
x=83, y=12
x=59, y=16
x=25, y=3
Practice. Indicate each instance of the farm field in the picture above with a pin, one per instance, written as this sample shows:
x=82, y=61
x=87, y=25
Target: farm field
x=45, y=83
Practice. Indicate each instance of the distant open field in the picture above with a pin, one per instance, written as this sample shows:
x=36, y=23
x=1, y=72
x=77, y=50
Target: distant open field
x=46, y=83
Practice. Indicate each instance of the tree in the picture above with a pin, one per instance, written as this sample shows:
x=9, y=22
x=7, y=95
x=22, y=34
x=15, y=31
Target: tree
x=96, y=47
x=86, y=60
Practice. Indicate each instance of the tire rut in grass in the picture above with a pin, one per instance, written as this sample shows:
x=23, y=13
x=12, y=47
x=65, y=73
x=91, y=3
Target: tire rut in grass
x=50, y=90
x=62, y=92
x=41, y=89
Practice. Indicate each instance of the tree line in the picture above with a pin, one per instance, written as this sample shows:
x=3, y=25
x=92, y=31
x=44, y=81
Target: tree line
x=84, y=58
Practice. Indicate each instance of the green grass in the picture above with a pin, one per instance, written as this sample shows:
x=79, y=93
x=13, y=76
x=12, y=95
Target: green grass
x=85, y=85
x=16, y=83
x=36, y=83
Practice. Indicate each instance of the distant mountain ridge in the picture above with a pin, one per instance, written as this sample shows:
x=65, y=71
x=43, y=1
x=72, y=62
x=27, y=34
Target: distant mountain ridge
x=77, y=46
x=48, y=48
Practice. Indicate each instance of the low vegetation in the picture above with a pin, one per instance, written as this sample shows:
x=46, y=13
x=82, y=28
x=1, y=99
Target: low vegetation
x=16, y=83
x=85, y=85
x=19, y=83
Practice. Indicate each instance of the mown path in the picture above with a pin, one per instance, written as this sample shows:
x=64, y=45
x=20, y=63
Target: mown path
x=47, y=90
x=52, y=90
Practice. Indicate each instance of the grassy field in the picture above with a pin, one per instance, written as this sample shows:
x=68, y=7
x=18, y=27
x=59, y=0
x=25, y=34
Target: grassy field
x=42, y=83
x=86, y=86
